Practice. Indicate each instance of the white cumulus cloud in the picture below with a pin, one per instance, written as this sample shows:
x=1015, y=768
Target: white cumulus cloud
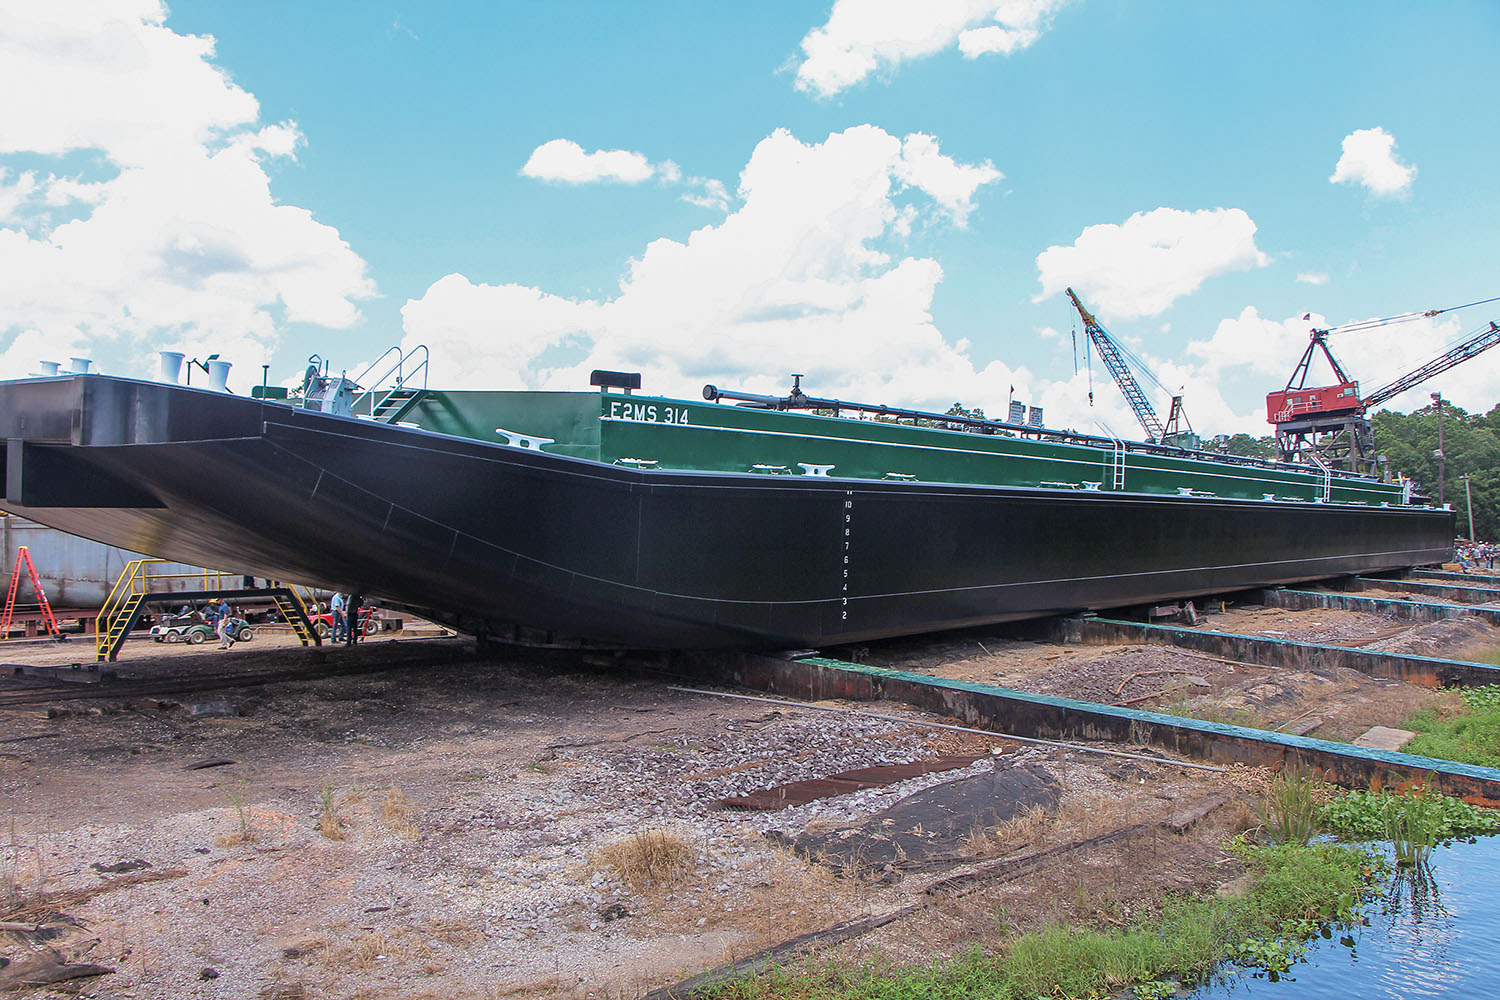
x=867, y=36
x=1311, y=278
x=804, y=275
x=566, y=161
x=1250, y=343
x=707, y=192
x=1369, y=158
x=950, y=183
x=1139, y=268
x=172, y=238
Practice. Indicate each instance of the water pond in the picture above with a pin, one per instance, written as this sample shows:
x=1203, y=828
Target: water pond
x=1435, y=934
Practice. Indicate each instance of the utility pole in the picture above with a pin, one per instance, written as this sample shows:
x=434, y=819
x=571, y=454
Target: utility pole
x=1469, y=500
x=1442, y=458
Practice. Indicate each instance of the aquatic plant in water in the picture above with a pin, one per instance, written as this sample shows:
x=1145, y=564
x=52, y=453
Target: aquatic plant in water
x=1373, y=816
x=1413, y=825
x=1289, y=813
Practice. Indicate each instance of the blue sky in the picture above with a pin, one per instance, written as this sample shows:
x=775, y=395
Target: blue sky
x=888, y=196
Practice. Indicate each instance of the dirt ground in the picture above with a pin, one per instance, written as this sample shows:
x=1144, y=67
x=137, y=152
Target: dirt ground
x=463, y=827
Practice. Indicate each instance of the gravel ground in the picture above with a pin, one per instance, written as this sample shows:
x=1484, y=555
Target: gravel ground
x=455, y=829
x=440, y=832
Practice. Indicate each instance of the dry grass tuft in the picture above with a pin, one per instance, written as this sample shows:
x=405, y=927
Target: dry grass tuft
x=330, y=823
x=376, y=948
x=1092, y=813
x=1250, y=780
x=459, y=932
x=650, y=859
x=1020, y=830
x=243, y=832
x=368, y=949
x=396, y=813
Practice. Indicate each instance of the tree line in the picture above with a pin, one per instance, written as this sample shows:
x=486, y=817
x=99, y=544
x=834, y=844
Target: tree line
x=1471, y=444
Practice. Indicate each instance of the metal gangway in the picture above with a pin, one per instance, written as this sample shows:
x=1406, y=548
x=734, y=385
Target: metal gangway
x=133, y=592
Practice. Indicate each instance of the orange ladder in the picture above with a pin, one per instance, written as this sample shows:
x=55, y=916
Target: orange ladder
x=23, y=557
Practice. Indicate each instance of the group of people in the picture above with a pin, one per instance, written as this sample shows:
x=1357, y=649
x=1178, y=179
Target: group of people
x=1477, y=555
x=346, y=623
x=223, y=619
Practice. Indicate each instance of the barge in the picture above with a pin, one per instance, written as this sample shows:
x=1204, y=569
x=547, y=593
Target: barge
x=734, y=521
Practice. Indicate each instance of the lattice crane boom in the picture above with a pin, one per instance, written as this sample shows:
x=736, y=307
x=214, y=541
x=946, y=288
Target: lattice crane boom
x=1109, y=353
x=1482, y=341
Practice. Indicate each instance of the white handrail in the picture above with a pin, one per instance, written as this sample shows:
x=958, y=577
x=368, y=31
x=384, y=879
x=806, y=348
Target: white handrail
x=1327, y=475
x=398, y=369
x=371, y=367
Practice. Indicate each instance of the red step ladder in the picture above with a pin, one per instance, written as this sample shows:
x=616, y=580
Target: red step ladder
x=23, y=557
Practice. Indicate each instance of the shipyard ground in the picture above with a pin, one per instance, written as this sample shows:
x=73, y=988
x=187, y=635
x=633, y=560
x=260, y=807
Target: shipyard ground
x=444, y=831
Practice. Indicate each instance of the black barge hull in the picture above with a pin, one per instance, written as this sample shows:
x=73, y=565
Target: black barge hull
x=490, y=537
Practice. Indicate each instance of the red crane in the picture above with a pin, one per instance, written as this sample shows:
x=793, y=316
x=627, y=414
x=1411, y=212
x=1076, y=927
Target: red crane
x=1328, y=421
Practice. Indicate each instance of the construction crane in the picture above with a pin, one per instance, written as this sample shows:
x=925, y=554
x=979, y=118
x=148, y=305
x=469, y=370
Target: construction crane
x=1327, y=423
x=1112, y=354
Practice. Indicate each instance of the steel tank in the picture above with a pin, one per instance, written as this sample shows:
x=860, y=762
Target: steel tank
x=78, y=574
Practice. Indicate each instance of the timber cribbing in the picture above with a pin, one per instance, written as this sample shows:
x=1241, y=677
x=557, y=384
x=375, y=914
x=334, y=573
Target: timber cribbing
x=1429, y=671
x=1043, y=717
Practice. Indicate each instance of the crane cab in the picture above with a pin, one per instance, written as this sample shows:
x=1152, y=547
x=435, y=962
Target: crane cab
x=1290, y=404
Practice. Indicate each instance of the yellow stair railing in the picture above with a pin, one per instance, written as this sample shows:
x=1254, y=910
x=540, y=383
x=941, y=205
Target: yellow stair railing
x=121, y=608
x=293, y=609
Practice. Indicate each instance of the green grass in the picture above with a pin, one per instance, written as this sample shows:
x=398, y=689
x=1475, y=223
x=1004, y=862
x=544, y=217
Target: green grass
x=1471, y=737
x=1299, y=890
x=1290, y=812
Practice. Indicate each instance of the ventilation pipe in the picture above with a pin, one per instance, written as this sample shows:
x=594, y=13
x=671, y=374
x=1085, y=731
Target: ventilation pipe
x=171, y=365
x=218, y=376
x=80, y=365
x=49, y=368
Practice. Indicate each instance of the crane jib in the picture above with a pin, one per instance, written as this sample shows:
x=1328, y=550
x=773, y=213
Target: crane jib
x=1112, y=356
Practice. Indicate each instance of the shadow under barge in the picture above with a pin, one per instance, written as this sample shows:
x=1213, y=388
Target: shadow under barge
x=656, y=523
